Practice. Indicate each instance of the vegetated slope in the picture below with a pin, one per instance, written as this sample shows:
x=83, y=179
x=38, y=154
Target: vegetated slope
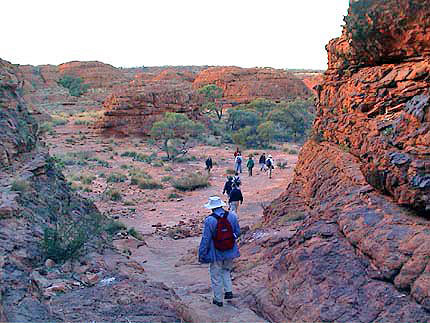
x=40, y=218
x=347, y=242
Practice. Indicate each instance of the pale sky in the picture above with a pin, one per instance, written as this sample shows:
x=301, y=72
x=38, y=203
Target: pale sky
x=247, y=33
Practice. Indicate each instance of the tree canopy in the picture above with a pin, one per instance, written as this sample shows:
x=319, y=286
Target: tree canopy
x=212, y=94
x=174, y=134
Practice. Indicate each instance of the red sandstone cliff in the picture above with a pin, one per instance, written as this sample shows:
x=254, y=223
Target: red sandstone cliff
x=95, y=74
x=133, y=109
x=349, y=239
x=242, y=85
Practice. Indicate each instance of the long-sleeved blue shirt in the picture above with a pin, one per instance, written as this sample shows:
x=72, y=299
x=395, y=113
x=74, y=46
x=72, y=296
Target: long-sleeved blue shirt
x=207, y=251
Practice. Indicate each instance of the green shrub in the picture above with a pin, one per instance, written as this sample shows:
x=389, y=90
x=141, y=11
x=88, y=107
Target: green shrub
x=114, y=226
x=131, y=154
x=191, y=182
x=136, y=234
x=67, y=238
x=149, y=184
x=101, y=162
x=83, y=122
x=113, y=195
x=59, y=122
x=212, y=141
x=173, y=196
x=138, y=173
x=185, y=159
x=134, y=181
x=157, y=164
x=20, y=185
x=75, y=85
x=166, y=179
x=87, y=180
x=138, y=156
x=116, y=178
x=282, y=165
x=46, y=127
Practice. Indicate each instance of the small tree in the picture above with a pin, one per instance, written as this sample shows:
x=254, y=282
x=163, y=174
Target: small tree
x=240, y=118
x=246, y=137
x=212, y=94
x=266, y=132
x=174, y=134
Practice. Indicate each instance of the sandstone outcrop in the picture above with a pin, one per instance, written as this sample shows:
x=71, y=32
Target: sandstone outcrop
x=311, y=79
x=95, y=74
x=38, y=208
x=133, y=110
x=349, y=239
x=242, y=85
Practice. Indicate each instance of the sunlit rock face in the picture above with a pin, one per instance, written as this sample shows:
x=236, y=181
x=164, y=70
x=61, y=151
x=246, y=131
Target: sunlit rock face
x=242, y=85
x=133, y=109
x=349, y=239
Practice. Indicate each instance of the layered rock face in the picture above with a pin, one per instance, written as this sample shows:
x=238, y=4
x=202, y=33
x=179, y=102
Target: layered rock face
x=379, y=110
x=36, y=203
x=242, y=85
x=348, y=240
x=19, y=130
x=95, y=74
x=134, y=109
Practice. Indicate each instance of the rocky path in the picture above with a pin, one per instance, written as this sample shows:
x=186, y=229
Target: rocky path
x=174, y=262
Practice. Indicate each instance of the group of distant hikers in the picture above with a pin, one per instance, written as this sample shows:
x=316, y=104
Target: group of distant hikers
x=266, y=164
x=218, y=245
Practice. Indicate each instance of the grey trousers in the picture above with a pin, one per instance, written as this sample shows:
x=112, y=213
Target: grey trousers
x=234, y=206
x=220, y=272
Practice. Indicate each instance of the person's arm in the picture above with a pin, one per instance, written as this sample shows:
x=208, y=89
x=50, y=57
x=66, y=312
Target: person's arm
x=225, y=188
x=236, y=227
x=240, y=197
x=205, y=242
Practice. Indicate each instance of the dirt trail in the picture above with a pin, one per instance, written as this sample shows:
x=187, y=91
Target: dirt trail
x=174, y=262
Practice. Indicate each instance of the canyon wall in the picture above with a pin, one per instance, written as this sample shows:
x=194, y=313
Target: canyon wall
x=42, y=221
x=349, y=239
x=134, y=109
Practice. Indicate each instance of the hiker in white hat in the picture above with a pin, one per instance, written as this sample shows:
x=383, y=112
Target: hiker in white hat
x=218, y=247
x=270, y=165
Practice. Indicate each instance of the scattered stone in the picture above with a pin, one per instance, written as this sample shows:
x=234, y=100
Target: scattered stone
x=58, y=287
x=49, y=263
x=90, y=279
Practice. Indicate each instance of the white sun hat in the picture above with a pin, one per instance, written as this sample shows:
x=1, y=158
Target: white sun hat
x=270, y=156
x=214, y=202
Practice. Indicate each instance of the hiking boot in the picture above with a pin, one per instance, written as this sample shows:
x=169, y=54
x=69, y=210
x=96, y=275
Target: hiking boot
x=217, y=303
x=228, y=295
